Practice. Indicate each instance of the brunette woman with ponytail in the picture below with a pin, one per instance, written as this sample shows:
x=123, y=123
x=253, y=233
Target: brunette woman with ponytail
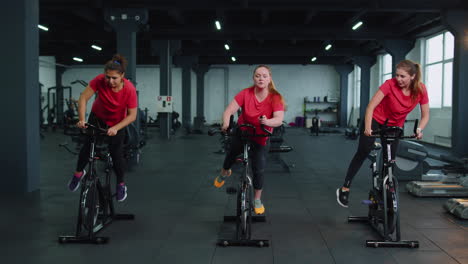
x=394, y=100
x=261, y=104
x=114, y=109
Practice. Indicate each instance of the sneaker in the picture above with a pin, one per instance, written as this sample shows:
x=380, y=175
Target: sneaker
x=75, y=182
x=342, y=197
x=258, y=207
x=121, y=192
x=219, y=181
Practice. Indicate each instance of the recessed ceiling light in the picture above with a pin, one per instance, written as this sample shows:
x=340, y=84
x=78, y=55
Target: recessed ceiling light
x=96, y=47
x=357, y=25
x=43, y=27
x=218, y=25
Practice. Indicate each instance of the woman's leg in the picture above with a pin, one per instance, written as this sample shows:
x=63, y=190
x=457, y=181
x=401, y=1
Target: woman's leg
x=258, y=169
x=116, y=149
x=258, y=153
x=364, y=148
x=83, y=157
x=236, y=148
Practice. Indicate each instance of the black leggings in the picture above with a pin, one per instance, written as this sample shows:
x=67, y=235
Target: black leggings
x=115, y=148
x=364, y=148
x=257, y=154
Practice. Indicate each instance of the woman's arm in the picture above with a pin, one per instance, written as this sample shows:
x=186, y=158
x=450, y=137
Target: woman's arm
x=231, y=109
x=424, y=120
x=376, y=99
x=131, y=116
x=82, y=102
x=275, y=121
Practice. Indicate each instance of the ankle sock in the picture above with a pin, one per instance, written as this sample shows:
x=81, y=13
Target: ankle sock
x=78, y=175
x=257, y=203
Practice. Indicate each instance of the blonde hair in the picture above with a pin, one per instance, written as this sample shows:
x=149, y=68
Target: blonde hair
x=271, y=85
x=412, y=68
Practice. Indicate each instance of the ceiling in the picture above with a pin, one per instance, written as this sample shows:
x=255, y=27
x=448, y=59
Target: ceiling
x=257, y=31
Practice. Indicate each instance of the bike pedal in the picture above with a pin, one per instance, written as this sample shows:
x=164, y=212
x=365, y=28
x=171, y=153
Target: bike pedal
x=231, y=190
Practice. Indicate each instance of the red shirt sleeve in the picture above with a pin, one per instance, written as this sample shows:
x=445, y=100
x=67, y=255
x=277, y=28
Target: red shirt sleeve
x=240, y=97
x=424, y=97
x=277, y=104
x=96, y=82
x=386, y=87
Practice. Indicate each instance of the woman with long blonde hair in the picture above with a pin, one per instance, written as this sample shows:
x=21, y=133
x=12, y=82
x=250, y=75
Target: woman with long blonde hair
x=261, y=105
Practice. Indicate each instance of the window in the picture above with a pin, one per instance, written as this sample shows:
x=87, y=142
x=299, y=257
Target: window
x=385, y=67
x=438, y=68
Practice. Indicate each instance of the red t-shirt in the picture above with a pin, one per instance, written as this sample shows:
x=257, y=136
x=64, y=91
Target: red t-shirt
x=395, y=105
x=252, y=109
x=109, y=106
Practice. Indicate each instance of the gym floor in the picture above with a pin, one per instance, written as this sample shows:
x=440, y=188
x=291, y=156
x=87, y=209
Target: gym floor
x=179, y=213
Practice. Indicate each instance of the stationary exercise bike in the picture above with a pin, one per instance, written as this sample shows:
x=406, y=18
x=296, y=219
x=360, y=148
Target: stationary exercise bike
x=245, y=197
x=383, y=202
x=95, y=208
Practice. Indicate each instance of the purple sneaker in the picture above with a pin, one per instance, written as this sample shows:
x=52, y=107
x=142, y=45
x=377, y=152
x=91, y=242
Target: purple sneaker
x=74, y=182
x=121, y=192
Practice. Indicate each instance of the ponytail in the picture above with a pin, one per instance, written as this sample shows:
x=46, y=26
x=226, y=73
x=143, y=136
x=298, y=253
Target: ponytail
x=413, y=68
x=117, y=63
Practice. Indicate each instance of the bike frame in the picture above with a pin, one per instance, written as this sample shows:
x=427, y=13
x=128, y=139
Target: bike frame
x=105, y=208
x=245, y=189
x=384, y=183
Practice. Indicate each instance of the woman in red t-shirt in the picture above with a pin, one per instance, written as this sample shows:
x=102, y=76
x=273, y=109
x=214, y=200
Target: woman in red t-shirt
x=114, y=108
x=394, y=100
x=261, y=104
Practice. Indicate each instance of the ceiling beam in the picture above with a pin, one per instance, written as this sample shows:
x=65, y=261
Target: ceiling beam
x=280, y=51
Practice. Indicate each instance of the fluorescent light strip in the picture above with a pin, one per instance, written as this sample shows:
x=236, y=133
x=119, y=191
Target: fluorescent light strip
x=96, y=47
x=314, y=59
x=233, y=58
x=77, y=59
x=43, y=27
x=357, y=25
x=328, y=47
x=218, y=25
x=226, y=46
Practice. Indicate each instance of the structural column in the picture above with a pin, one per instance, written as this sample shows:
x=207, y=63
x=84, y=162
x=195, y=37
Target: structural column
x=343, y=71
x=365, y=63
x=398, y=48
x=199, y=119
x=126, y=23
x=165, y=49
x=457, y=22
x=59, y=94
x=20, y=78
x=187, y=62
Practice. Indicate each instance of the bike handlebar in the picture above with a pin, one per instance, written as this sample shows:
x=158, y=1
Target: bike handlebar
x=382, y=132
x=250, y=126
x=213, y=132
x=102, y=130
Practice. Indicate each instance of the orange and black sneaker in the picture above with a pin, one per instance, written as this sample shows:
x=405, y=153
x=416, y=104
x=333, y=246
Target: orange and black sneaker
x=219, y=181
x=258, y=207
